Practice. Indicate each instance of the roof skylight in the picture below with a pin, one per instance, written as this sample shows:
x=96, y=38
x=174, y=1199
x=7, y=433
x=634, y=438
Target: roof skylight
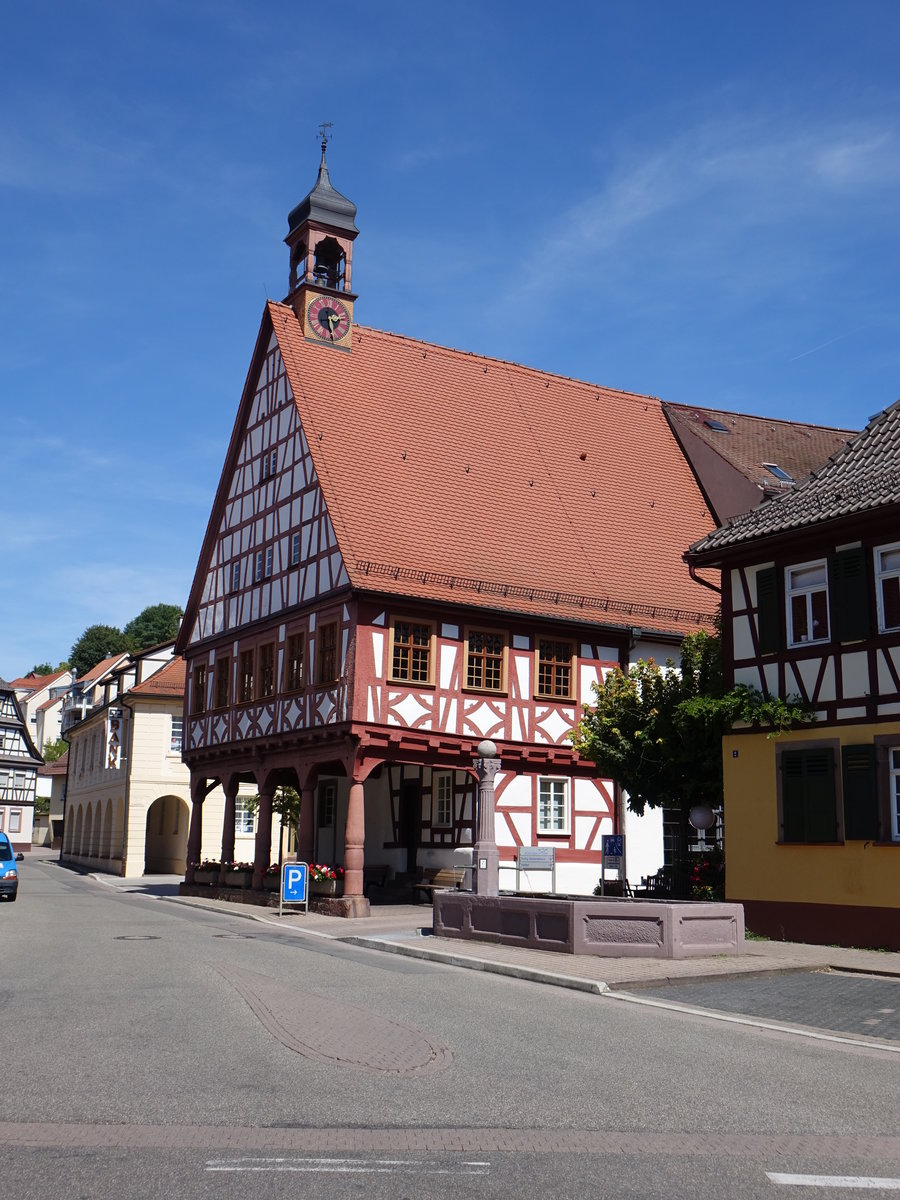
x=778, y=472
x=718, y=426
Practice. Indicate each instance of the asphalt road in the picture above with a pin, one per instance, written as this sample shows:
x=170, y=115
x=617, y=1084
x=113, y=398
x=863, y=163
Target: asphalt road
x=152, y=1049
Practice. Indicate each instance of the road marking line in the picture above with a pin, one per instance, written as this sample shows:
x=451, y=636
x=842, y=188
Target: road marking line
x=347, y=1166
x=835, y=1181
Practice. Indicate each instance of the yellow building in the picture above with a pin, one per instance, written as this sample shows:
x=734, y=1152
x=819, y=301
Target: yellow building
x=811, y=608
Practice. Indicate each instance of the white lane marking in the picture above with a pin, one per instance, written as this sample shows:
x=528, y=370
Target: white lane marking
x=350, y=1166
x=870, y=1182
x=753, y=1022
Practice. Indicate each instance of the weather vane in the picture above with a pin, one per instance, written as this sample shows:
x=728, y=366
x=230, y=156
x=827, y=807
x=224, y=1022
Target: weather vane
x=323, y=132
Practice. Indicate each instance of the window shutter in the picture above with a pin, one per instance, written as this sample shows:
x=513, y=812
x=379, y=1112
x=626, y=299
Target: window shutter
x=848, y=583
x=792, y=797
x=769, y=603
x=807, y=796
x=860, y=793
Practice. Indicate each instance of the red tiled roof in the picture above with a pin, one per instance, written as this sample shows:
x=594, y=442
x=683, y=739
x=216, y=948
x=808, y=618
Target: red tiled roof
x=168, y=681
x=459, y=478
x=102, y=667
x=749, y=441
x=59, y=767
x=33, y=682
x=49, y=703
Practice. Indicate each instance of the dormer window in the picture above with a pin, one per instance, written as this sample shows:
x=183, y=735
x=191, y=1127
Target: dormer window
x=781, y=475
x=330, y=265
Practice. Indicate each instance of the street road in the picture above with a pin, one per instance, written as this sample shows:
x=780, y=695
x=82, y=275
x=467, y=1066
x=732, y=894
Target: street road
x=152, y=1049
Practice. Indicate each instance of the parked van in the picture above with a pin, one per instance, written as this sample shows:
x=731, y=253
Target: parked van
x=9, y=876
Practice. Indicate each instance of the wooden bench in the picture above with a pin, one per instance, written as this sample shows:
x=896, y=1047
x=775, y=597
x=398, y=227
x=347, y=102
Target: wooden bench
x=437, y=879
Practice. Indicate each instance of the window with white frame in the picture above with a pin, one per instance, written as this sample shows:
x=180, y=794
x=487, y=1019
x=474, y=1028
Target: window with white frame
x=442, y=799
x=235, y=576
x=15, y=820
x=295, y=549
x=887, y=586
x=894, y=768
x=807, y=602
x=270, y=558
x=175, y=735
x=244, y=815
x=258, y=569
x=553, y=806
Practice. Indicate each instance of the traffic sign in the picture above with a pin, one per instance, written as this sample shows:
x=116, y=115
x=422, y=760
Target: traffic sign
x=294, y=884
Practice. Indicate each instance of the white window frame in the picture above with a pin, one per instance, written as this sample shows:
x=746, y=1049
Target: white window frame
x=558, y=788
x=270, y=558
x=236, y=575
x=894, y=790
x=807, y=591
x=295, y=549
x=442, y=800
x=244, y=819
x=176, y=734
x=15, y=820
x=880, y=576
x=258, y=567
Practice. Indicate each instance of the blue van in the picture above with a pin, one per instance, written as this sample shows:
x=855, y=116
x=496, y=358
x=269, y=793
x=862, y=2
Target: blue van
x=9, y=876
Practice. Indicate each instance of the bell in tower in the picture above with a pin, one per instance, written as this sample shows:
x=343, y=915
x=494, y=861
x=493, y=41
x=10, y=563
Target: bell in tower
x=321, y=231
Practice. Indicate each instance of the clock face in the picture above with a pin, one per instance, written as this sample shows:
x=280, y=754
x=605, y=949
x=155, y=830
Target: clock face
x=328, y=319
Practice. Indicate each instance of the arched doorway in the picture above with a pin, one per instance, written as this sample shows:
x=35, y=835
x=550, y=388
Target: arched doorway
x=165, y=843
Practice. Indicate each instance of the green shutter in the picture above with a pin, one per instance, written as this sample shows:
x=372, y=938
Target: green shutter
x=860, y=793
x=807, y=796
x=792, y=797
x=848, y=588
x=769, y=603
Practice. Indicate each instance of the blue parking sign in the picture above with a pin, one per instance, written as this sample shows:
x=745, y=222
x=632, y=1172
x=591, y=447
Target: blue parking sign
x=294, y=883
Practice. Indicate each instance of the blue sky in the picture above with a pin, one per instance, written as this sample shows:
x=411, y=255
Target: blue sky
x=694, y=200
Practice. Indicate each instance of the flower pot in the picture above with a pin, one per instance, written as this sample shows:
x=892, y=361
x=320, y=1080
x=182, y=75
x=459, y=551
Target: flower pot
x=326, y=887
x=242, y=879
x=205, y=876
x=272, y=883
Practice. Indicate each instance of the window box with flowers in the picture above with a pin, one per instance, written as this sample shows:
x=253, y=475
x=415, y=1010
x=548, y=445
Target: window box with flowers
x=326, y=881
x=207, y=872
x=238, y=874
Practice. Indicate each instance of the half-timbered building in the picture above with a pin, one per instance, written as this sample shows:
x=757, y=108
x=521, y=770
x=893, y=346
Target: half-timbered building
x=413, y=549
x=19, y=762
x=811, y=607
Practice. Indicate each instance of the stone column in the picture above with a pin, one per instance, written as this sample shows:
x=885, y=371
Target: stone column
x=487, y=856
x=231, y=791
x=306, y=828
x=195, y=833
x=354, y=841
x=263, y=852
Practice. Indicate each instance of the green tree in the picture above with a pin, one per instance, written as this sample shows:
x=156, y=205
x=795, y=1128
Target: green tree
x=42, y=669
x=157, y=623
x=96, y=643
x=657, y=731
x=54, y=750
x=286, y=803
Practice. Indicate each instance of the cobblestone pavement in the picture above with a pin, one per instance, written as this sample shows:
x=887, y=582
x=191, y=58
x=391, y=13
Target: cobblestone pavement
x=331, y=1030
x=864, y=1005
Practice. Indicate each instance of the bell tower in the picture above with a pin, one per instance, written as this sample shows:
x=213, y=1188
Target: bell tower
x=321, y=231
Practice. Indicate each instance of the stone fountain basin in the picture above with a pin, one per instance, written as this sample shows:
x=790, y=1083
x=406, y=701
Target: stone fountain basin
x=606, y=926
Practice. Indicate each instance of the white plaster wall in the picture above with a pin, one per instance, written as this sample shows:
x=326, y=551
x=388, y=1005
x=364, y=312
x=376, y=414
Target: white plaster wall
x=643, y=843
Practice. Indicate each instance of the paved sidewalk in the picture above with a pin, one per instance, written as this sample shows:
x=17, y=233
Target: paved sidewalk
x=406, y=929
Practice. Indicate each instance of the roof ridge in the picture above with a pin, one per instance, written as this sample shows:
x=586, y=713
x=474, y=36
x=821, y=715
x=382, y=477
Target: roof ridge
x=455, y=352
x=730, y=412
